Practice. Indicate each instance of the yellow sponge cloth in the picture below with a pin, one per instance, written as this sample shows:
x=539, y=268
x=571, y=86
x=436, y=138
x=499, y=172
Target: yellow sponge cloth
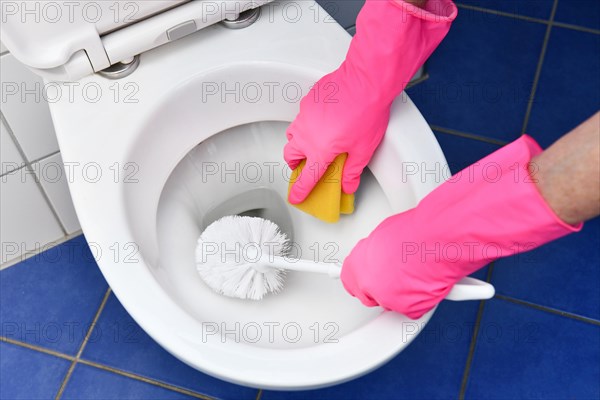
x=326, y=201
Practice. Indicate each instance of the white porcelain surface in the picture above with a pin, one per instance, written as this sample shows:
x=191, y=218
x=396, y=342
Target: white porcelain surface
x=257, y=178
x=10, y=158
x=158, y=207
x=27, y=222
x=54, y=180
x=27, y=110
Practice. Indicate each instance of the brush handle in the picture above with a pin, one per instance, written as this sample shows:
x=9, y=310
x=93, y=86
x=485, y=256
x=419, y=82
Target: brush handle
x=465, y=289
x=296, y=264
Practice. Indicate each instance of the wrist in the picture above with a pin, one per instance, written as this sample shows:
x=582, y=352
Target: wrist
x=490, y=210
x=566, y=174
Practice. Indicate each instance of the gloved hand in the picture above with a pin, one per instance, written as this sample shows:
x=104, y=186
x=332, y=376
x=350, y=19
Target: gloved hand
x=348, y=110
x=492, y=209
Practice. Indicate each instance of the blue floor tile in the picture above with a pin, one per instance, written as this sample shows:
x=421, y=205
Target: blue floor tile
x=430, y=368
x=480, y=77
x=584, y=13
x=569, y=86
x=119, y=342
x=50, y=299
x=523, y=353
x=481, y=274
x=530, y=8
x=27, y=374
x=563, y=274
x=92, y=383
x=462, y=152
x=342, y=11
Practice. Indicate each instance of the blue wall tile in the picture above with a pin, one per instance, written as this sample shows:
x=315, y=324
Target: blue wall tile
x=462, y=152
x=431, y=367
x=569, y=86
x=50, y=299
x=523, y=353
x=343, y=11
x=92, y=383
x=27, y=374
x=579, y=12
x=119, y=342
x=481, y=75
x=563, y=274
x=530, y=8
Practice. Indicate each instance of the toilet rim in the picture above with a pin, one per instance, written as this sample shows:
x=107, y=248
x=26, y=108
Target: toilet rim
x=105, y=215
x=103, y=208
x=356, y=354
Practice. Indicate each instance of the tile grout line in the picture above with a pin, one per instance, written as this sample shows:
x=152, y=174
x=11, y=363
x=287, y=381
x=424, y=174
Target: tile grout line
x=542, y=21
x=540, y=307
x=538, y=71
x=105, y=368
x=259, y=394
x=36, y=348
x=82, y=346
x=37, y=160
x=502, y=13
x=471, y=354
x=575, y=27
x=145, y=380
x=466, y=135
x=550, y=310
x=31, y=254
x=31, y=170
x=418, y=81
x=13, y=137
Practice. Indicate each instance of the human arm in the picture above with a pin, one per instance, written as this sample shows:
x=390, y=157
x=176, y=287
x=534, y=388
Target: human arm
x=410, y=262
x=348, y=110
x=568, y=173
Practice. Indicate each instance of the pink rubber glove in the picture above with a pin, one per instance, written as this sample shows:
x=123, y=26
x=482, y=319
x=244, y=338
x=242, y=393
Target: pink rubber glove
x=348, y=110
x=492, y=209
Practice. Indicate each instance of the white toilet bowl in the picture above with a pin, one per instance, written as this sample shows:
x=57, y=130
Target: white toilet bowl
x=176, y=149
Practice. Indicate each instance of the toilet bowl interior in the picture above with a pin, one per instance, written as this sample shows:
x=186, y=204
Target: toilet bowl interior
x=213, y=97
x=200, y=157
x=241, y=172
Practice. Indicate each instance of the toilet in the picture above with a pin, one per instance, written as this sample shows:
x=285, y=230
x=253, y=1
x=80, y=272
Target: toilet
x=178, y=118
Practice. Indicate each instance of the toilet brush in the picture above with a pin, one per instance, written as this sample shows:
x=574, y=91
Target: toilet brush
x=247, y=258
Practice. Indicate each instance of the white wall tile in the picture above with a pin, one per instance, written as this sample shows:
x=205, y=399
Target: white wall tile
x=2, y=48
x=10, y=158
x=51, y=174
x=27, y=221
x=27, y=113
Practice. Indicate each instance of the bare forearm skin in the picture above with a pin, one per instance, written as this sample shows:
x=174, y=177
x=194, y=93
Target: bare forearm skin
x=568, y=173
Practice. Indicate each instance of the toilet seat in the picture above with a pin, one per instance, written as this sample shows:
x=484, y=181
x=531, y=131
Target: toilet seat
x=68, y=41
x=140, y=128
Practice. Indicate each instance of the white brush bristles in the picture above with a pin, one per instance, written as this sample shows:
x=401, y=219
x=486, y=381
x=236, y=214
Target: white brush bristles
x=227, y=252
